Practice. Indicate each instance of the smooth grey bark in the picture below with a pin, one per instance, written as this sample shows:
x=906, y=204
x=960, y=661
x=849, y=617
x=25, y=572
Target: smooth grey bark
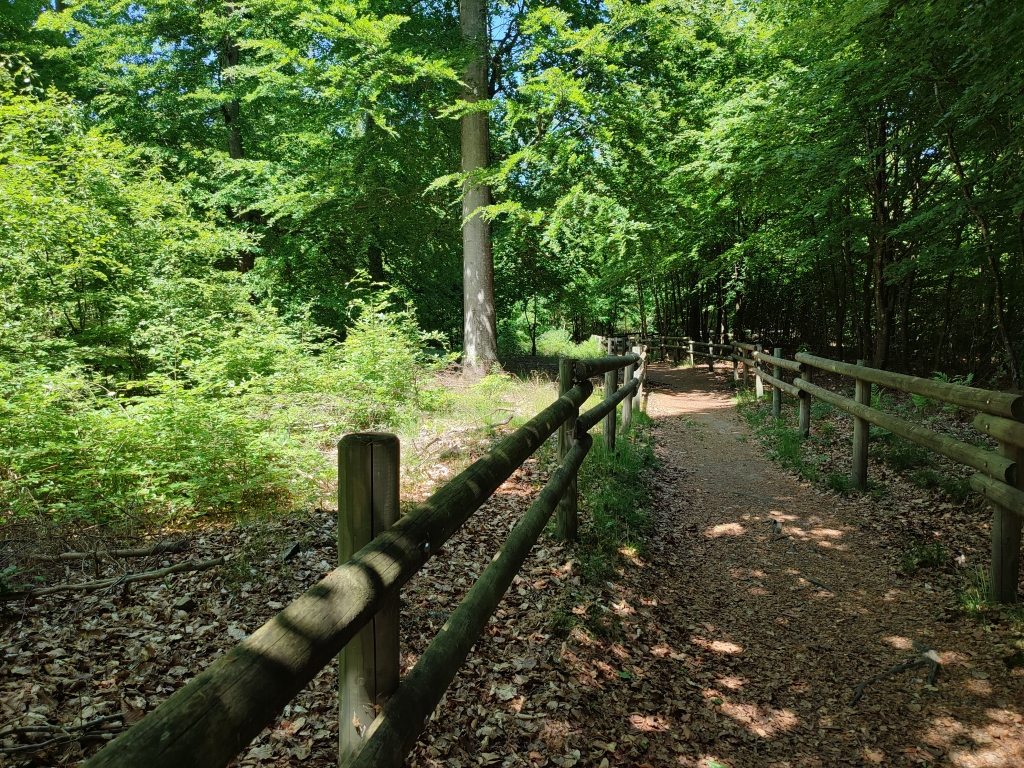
x=231, y=110
x=480, y=339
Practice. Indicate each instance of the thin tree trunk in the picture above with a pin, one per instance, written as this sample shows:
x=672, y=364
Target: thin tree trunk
x=643, y=309
x=993, y=264
x=480, y=340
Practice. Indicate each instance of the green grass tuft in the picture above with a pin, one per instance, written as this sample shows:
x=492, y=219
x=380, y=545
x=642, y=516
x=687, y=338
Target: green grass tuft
x=934, y=555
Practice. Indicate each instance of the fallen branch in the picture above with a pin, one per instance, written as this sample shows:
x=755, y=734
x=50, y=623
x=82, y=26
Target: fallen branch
x=92, y=735
x=927, y=659
x=68, y=733
x=64, y=728
x=88, y=586
x=161, y=547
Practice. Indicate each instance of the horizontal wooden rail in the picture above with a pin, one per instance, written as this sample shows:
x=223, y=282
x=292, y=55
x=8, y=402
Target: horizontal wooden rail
x=587, y=421
x=996, y=403
x=394, y=733
x=999, y=493
x=745, y=345
x=213, y=718
x=782, y=362
x=1011, y=432
x=989, y=462
x=596, y=366
x=789, y=389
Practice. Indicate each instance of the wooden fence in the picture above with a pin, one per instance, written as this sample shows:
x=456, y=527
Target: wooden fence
x=352, y=614
x=999, y=415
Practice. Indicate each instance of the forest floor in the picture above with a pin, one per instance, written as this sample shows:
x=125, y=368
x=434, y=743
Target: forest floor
x=738, y=636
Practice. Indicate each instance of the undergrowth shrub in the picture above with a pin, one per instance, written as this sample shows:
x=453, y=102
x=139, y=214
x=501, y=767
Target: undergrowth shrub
x=239, y=426
x=615, y=494
x=615, y=520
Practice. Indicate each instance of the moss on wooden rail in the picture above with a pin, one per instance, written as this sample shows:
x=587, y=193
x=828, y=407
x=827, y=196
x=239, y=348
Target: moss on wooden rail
x=596, y=366
x=782, y=362
x=1002, y=494
x=790, y=389
x=1007, y=431
x=996, y=403
x=213, y=718
x=587, y=421
x=394, y=732
x=985, y=461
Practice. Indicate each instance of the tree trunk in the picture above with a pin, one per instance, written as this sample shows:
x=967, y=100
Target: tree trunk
x=231, y=111
x=738, y=332
x=643, y=309
x=993, y=258
x=480, y=340
x=907, y=293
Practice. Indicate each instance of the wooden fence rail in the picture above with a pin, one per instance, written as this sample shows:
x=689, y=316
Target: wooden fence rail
x=215, y=716
x=1000, y=480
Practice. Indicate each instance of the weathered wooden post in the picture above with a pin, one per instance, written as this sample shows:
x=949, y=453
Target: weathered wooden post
x=368, y=504
x=711, y=358
x=1006, y=523
x=1006, y=536
x=776, y=392
x=566, y=515
x=737, y=353
x=641, y=392
x=627, y=404
x=611, y=380
x=805, y=405
x=861, y=433
x=689, y=350
x=758, y=384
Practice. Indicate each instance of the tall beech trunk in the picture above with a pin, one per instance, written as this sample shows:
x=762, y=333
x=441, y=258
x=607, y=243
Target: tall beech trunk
x=480, y=339
x=231, y=110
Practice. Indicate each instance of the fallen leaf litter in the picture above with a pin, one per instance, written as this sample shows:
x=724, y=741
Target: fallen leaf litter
x=727, y=648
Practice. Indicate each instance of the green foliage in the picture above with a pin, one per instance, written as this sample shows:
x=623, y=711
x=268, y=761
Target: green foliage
x=903, y=455
x=838, y=482
x=919, y=555
x=615, y=495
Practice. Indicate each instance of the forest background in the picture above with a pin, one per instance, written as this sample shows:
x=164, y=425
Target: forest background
x=231, y=231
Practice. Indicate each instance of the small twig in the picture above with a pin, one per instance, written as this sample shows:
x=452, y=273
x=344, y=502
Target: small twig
x=924, y=660
x=817, y=583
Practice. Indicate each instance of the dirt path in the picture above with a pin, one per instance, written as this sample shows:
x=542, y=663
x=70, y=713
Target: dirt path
x=765, y=633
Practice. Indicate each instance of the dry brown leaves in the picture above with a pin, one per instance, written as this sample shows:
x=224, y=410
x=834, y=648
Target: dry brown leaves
x=738, y=642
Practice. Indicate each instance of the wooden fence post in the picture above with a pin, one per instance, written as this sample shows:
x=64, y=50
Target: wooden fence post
x=690, y=352
x=611, y=380
x=861, y=433
x=711, y=358
x=1006, y=536
x=758, y=384
x=368, y=504
x=641, y=393
x=566, y=519
x=776, y=392
x=627, y=404
x=805, y=406
x=736, y=367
